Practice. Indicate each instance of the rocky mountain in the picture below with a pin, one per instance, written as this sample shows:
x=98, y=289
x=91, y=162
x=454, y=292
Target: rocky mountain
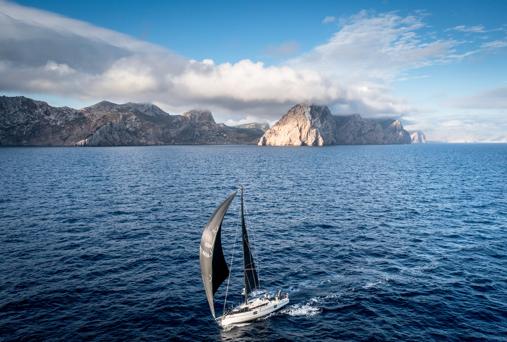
x=313, y=125
x=418, y=137
x=264, y=126
x=24, y=121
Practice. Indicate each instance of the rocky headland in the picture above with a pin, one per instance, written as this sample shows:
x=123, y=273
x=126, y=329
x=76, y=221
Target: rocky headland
x=417, y=137
x=314, y=125
x=27, y=122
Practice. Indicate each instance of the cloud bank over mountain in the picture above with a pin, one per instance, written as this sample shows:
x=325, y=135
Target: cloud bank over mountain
x=44, y=53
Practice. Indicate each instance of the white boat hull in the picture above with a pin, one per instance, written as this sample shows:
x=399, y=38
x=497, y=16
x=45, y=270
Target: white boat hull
x=258, y=308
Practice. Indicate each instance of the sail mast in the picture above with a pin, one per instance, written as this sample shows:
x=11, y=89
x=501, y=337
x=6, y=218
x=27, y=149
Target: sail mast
x=250, y=272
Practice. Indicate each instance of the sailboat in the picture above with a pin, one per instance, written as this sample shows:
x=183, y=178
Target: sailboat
x=214, y=270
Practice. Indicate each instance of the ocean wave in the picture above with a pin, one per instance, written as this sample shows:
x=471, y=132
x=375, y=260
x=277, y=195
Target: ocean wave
x=372, y=284
x=303, y=309
x=102, y=266
x=230, y=327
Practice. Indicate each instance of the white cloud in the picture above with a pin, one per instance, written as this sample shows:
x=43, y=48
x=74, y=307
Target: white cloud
x=328, y=19
x=495, y=44
x=490, y=99
x=462, y=125
x=245, y=120
x=375, y=48
x=472, y=29
x=249, y=81
x=44, y=53
x=62, y=69
x=479, y=117
x=473, y=127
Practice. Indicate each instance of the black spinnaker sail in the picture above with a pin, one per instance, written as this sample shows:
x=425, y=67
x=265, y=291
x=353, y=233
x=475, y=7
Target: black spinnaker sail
x=214, y=269
x=251, y=277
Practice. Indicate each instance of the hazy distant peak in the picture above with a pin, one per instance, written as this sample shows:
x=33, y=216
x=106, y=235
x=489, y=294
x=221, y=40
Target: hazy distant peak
x=255, y=125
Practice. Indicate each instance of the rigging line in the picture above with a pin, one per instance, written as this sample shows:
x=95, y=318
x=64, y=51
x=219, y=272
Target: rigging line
x=254, y=249
x=232, y=260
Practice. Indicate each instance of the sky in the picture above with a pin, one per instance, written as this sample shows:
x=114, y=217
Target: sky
x=439, y=66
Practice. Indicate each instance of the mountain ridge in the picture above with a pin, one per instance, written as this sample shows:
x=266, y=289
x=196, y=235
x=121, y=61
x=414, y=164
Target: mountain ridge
x=28, y=122
x=314, y=125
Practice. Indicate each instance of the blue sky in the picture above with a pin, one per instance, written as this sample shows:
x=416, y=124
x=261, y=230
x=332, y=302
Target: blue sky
x=440, y=66
x=228, y=31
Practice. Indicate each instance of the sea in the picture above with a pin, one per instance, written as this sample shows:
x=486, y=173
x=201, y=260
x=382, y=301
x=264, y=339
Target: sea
x=378, y=243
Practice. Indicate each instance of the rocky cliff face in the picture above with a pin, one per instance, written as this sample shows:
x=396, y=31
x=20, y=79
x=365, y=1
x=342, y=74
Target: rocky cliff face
x=312, y=125
x=27, y=122
x=307, y=125
x=418, y=137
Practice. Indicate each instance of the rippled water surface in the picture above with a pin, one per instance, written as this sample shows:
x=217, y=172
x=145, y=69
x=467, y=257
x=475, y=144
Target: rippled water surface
x=372, y=242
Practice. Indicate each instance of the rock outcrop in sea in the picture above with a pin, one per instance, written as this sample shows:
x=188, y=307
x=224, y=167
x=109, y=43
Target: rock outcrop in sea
x=418, y=137
x=314, y=125
x=26, y=122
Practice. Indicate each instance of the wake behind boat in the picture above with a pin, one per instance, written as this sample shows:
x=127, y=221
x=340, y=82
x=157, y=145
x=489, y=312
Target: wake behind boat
x=214, y=271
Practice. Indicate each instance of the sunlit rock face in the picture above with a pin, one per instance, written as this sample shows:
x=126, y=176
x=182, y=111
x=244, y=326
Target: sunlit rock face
x=24, y=121
x=313, y=125
x=418, y=137
x=303, y=125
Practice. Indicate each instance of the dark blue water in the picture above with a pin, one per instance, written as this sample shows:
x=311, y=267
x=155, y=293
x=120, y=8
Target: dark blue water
x=372, y=242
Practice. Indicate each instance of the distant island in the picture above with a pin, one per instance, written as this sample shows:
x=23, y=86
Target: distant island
x=313, y=125
x=27, y=122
